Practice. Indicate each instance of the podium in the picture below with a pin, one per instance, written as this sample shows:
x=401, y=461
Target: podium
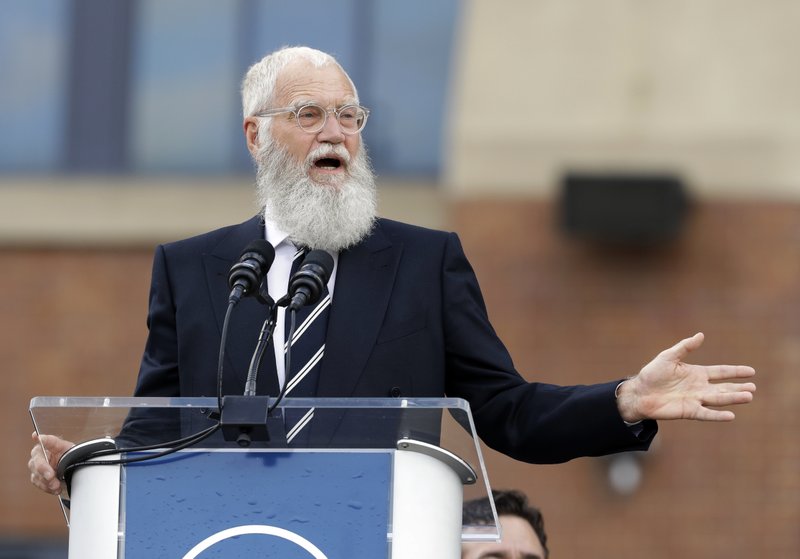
x=368, y=478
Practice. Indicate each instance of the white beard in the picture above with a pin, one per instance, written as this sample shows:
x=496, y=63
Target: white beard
x=332, y=215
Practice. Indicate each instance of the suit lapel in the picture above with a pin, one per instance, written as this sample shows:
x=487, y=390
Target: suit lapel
x=246, y=318
x=363, y=287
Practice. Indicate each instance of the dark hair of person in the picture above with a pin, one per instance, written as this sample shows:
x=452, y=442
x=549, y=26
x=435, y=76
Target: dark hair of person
x=511, y=503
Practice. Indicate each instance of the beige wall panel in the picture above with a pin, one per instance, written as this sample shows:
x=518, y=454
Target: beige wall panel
x=707, y=88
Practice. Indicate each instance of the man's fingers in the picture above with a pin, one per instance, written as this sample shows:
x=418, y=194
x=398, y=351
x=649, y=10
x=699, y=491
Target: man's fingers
x=38, y=454
x=706, y=414
x=728, y=398
x=679, y=351
x=39, y=465
x=723, y=372
x=730, y=387
x=39, y=483
x=42, y=474
x=53, y=486
x=50, y=486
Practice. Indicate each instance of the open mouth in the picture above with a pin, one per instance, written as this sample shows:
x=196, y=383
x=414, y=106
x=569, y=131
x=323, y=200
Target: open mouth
x=328, y=163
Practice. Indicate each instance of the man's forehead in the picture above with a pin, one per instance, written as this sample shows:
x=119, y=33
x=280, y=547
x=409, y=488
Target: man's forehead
x=301, y=80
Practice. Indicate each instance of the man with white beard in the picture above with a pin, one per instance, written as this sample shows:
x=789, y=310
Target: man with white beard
x=407, y=318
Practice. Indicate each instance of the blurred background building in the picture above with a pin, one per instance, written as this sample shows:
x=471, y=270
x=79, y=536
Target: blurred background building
x=623, y=173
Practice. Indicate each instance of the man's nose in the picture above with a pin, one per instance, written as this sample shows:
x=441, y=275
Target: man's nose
x=332, y=131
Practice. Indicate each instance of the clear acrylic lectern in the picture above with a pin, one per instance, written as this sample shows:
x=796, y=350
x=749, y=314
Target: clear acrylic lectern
x=367, y=478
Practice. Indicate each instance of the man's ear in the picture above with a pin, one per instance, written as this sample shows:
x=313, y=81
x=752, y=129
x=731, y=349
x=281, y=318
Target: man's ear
x=250, y=127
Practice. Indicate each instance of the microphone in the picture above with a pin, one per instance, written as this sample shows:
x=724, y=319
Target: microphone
x=246, y=275
x=308, y=283
x=243, y=417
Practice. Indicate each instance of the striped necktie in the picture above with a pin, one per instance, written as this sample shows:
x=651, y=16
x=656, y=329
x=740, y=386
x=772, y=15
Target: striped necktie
x=308, y=347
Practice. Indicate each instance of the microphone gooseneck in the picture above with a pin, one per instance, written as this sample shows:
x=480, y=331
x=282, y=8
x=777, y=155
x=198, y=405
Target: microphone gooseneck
x=244, y=279
x=264, y=338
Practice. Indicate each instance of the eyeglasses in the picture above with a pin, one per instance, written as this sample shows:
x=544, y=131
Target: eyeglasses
x=312, y=118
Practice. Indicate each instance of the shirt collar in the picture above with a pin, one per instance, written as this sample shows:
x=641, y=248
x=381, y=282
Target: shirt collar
x=274, y=235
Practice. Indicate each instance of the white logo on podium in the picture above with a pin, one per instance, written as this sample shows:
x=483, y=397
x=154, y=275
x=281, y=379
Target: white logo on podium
x=258, y=529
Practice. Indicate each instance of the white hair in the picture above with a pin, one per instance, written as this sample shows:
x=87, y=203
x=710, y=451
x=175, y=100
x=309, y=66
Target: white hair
x=258, y=86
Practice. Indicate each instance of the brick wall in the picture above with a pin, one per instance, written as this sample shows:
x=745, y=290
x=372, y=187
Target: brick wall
x=73, y=323
x=571, y=312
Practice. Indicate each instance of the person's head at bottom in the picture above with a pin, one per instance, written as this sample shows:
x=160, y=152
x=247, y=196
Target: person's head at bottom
x=522, y=525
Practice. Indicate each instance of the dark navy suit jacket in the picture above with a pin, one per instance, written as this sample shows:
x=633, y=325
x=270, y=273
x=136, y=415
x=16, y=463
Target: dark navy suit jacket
x=407, y=319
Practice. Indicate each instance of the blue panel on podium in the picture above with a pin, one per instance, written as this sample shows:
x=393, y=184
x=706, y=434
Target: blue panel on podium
x=233, y=504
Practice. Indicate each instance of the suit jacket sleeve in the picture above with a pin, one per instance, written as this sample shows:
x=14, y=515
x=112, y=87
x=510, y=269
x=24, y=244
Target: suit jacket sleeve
x=533, y=422
x=158, y=373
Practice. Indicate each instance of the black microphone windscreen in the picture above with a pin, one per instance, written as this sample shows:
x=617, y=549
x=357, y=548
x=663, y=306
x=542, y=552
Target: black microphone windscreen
x=262, y=248
x=308, y=283
x=322, y=259
x=252, y=266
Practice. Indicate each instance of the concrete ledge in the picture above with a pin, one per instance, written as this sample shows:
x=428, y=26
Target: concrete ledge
x=113, y=211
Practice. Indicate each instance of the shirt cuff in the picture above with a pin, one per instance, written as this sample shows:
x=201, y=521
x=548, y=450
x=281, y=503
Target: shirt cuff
x=635, y=426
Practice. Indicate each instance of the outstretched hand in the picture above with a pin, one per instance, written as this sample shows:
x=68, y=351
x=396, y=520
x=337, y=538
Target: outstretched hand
x=669, y=388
